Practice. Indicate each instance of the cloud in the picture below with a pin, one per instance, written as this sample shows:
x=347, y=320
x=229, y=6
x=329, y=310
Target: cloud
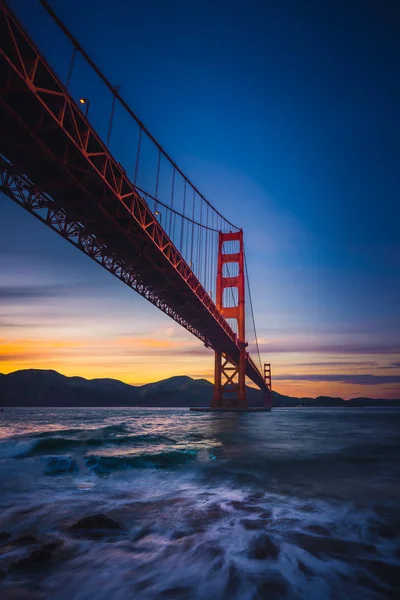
x=291, y=347
x=356, y=379
x=395, y=365
x=22, y=294
x=11, y=294
x=336, y=363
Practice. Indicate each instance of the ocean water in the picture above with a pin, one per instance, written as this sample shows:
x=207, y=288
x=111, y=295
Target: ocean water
x=295, y=504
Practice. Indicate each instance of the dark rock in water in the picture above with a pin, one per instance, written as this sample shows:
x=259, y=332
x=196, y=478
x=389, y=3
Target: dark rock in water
x=253, y=524
x=266, y=514
x=4, y=537
x=371, y=584
x=263, y=547
x=233, y=582
x=238, y=505
x=319, y=546
x=255, y=497
x=214, y=512
x=304, y=569
x=387, y=573
x=53, y=545
x=95, y=523
x=385, y=530
x=20, y=592
x=176, y=592
x=318, y=529
x=38, y=558
x=26, y=540
x=271, y=589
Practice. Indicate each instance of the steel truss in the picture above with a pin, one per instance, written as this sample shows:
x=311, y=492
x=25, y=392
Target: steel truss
x=56, y=166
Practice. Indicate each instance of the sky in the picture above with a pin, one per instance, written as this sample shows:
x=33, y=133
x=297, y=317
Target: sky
x=285, y=114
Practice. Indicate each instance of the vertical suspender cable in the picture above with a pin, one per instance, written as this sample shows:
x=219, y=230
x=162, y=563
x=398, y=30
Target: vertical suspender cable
x=157, y=181
x=183, y=220
x=138, y=156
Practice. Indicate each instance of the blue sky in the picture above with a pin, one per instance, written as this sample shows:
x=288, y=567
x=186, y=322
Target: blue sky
x=286, y=115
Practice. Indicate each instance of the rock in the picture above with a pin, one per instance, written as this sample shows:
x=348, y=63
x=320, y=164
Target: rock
x=53, y=544
x=319, y=546
x=95, y=523
x=386, y=530
x=271, y=589
x=4, y=537
x=252, y=524
x=263, y=547
x=318, y=529
x=26, y=540
x=233, y=581
x=213, y=512
x=38, y=558
x=304, y=569
x=238, y=505
x=176, y=592
x=387, y=573
x=267, y=514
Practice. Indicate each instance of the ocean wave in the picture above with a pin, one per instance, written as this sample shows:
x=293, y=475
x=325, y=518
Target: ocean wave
x=49, y=444
x=104, y=465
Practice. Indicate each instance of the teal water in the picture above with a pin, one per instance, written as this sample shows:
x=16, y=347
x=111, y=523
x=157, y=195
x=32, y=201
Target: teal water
x=297, y=503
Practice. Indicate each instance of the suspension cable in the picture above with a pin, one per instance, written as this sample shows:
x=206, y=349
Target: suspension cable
x=126, y=106
x=252, y=312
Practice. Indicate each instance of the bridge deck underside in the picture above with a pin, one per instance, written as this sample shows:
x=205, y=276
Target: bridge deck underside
x=36, y=138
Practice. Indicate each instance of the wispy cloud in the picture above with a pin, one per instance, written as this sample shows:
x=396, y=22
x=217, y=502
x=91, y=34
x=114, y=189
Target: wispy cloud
x=356, y=379
x=336, y=364
x=291, y=347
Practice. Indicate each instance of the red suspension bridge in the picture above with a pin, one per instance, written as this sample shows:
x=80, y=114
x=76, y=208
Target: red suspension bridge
x=154, y=230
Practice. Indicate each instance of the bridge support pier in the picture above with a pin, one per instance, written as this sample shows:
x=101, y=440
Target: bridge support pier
x=229, y=377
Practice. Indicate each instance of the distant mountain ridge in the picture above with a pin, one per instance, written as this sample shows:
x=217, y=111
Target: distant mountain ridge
x=36, y=387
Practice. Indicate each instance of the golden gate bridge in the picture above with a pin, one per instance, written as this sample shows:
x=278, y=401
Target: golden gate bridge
x=154, y=230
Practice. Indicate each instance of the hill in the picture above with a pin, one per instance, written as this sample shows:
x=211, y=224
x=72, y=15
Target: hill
x=34, y=387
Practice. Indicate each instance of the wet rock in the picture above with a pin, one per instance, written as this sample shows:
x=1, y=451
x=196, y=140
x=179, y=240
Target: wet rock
x=198, y=520
x=387, y=573
x=255, y=497
x=176, y=592
x=233, y=581
x=95, y=524
x=319, y=546
x=304, y=568
x=4, y=537
x=372, y=584
x=267, y=514
x=238, y=505
x=53, y=545
x=385, y=530
x=214, y=512
x=318, y=529
x=21, y=593
x=252, y=524
x=38, y=558
x=26, y=540
x=271, y=589
x=263, y=547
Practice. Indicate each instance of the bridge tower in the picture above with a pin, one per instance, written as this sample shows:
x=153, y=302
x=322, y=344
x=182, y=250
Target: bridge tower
x=229, y=377
x=268, y=382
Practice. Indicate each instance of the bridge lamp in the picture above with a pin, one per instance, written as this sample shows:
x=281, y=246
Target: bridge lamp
x=158, y=214
x=87, y=103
